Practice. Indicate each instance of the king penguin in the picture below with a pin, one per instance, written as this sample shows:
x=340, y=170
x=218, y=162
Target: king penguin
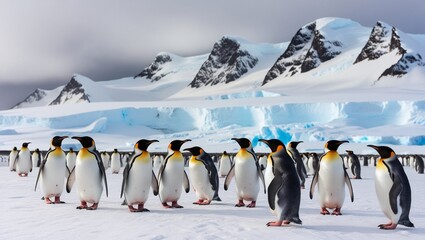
x=105, y=159
x=268, y=172
x=89, y=174
x=203, y=175
x=392, y=188
x=225, y=164
x=247, y=173
x=23, y=161
x=52, y=172
x=284, y=192
x=115, y=162
x=330, y=178
x=293, y=152
x=172, y=175
x=36, y=158
x=12, y=159
x=138, y=177
x=354, y=164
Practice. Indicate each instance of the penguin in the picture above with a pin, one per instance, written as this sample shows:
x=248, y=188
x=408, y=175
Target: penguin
x=293, y=152
x=392, y=188
x=268, y=172
x=36, y=158
x=330, y=177
x=284, y=192
x=23, y=161
x=365, y=160
x=88, y=174
x=203, y=175
x=156, y=164
x=52, y=171
x=172, y=176
x=419, y=164
x=105, y=159
x=225, y=164
x=115, y=162
x=263, y=162
x=315, y=162
x=355, y=164
x=70, y=157
x=12, y=159
x=247, y=173
x=138, y=177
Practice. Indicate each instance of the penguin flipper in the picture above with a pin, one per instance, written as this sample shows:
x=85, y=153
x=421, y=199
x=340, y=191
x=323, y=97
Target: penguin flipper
x=101, y=169
x=261, y=175
x=39, y=173
x=154, y=184
x=272, y=190
x=350, y=187
x=229, y=177
x=124, y=179
x=314, y=182
x=394, y=194
x=70, y=181
x=186, y=183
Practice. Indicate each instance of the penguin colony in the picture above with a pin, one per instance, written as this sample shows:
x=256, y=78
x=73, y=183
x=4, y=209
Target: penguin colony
x=283, y=179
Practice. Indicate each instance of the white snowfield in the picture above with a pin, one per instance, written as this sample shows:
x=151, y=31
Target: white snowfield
x=25, y=216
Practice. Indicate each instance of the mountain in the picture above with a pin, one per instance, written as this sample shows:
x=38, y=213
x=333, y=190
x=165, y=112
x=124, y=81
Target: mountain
x=385, y=39
x=228, y=61
x=326, y=55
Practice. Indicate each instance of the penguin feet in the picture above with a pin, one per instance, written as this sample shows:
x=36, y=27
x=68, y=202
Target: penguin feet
x=337, y=212
x=83, y=205
x=48, y=201
x=388, y=226
x=251, y=205
x=93, y=207
x=58, y=200
x=240, y=204
x=165, y=205
x=324, y=211
x=277, y=223
x=175, y=205
x=198, y=202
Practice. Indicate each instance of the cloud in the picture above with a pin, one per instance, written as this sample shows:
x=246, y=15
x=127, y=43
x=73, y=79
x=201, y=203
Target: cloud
x=105, y=39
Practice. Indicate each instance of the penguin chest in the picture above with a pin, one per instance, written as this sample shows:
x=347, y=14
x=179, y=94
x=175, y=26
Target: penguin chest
x=12, y=158
x=268, y=174
x=115, y=163
x=200, y=180
x=246, y=177
x=383, y=185
x=171, y=184
x=34, y=158
x=24, y=163
x=331, y=183
x=88, y=179
x=53, y=174
x=139, y=182
x=70, y=161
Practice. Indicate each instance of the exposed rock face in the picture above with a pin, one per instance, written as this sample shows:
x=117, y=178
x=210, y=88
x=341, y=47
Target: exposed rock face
x=72, y=92
x=378, y=43
x=152, y=71
x=227, y=62
x=307, y=49
x=36, y=96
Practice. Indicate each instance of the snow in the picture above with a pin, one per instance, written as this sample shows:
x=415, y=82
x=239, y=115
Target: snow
x=25, y=216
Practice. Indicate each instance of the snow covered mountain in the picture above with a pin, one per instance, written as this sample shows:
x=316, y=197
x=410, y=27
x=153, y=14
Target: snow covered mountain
x=327, y=52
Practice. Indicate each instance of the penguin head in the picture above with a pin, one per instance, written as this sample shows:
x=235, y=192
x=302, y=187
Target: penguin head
x=349, y=151
x=37, y=150
x=384, y=151
x=71, y=149
x=333, y=145
x=57, y=141
x=175, y=145
x=294, y=144
x=86, y=142
x=25, y=144
x=195, y=151
x=243, y=142
x=115, y=150
x=274, y=144
x=143, y=144
x=224, y=153
x=15, y=149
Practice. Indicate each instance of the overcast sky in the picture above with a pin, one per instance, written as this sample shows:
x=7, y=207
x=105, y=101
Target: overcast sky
x=44, y=42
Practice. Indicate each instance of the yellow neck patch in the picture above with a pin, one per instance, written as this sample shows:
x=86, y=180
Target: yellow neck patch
x=331, y=156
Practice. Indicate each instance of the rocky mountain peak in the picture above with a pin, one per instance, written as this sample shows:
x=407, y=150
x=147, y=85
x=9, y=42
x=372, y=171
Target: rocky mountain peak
x=227, y=62
x=37, y=95
x=72, y=92
x=152, y=71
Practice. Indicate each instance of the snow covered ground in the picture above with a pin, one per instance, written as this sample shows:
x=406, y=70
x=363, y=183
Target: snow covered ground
x=25, y=216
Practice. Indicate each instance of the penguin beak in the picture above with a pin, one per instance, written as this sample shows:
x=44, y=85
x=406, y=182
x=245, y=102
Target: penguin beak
x=187, y=140
x=264, y=141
